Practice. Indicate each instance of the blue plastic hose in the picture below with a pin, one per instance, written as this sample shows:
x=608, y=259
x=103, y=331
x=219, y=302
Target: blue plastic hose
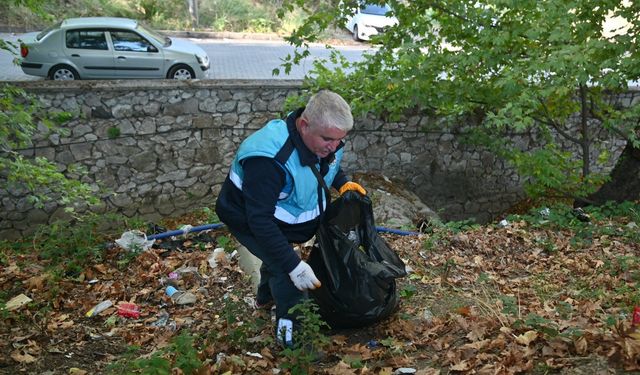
x=179, y=232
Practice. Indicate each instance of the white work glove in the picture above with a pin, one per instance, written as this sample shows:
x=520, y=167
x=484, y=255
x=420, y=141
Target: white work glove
x=303, y=277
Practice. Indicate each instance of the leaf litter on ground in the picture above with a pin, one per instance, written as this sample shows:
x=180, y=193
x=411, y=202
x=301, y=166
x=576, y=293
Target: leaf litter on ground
x=489, y=299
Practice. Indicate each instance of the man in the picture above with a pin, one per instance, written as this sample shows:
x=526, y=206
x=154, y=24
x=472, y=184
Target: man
x=273, y=197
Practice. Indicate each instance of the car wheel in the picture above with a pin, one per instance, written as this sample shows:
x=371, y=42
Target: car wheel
x=63, y=73
x=181, y=72
x=355, y=33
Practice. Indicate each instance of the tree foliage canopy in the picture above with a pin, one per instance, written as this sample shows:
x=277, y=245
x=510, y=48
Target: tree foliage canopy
x=554, y=67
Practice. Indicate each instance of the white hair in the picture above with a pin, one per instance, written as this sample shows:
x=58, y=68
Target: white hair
x=328, y=109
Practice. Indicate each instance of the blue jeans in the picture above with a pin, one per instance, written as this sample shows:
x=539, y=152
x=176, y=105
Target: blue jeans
x=275, y=283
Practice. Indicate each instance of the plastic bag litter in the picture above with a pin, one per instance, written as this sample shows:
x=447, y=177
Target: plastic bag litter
x=355, y=265
x=134, y=241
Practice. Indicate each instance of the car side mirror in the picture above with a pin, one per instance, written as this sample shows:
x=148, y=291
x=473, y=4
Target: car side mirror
x=152, y=48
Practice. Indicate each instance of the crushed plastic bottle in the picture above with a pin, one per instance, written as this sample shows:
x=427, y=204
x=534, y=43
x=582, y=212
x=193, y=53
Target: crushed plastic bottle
x=97, y=309
x=179, y=297
x=129, y=310
x=161, y=319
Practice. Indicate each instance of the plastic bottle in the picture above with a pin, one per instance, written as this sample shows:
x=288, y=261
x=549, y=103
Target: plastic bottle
x=179, y=297
x=97, y=309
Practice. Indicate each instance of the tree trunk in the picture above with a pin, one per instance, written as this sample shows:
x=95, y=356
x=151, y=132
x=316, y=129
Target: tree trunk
x=193, y=12
x=625, y=180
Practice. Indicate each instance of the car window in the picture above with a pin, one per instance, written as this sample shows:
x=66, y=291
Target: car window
x=378, y=10
x=129, y=41
x=86, y=39
x=159, y=37
x=49, y=29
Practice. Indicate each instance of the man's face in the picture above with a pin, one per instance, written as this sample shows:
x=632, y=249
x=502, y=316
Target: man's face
x=319, y=139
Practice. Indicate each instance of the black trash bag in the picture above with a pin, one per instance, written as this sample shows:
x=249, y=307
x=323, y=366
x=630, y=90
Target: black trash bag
x=356, y=266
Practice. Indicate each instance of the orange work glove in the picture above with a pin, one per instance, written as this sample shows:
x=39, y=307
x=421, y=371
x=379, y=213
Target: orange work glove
x=354, y=186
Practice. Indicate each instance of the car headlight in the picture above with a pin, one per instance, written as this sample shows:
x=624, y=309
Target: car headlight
x=202, y=60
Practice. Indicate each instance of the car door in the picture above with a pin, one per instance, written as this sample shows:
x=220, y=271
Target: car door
x=135, y=56
x=88, y=50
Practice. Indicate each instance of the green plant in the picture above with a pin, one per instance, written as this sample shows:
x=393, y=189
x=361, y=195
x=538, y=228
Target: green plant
x=260, y=25
x=236, y=329
x=408, y=291
x=211, y=216
x=509, y=305
x=180, y=354
x=393, y=344
x=353, y=361
x=73, y=246
x=308, y=339
x=185, y=356
x=226, y=243
x=20, y=115
x=113, y=132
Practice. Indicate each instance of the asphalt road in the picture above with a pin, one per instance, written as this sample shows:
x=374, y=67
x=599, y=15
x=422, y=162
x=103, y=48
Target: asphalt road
x=230, y=58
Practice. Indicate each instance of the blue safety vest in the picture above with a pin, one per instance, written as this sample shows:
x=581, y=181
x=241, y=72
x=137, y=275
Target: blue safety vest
x=298, y=200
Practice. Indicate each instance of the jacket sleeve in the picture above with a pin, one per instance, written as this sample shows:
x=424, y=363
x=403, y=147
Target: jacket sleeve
x=261, y=186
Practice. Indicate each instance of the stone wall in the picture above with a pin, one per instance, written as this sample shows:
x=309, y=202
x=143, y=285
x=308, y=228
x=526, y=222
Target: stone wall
x=163, y=148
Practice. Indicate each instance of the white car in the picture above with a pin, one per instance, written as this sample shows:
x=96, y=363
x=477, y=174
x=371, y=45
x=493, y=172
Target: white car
x=369, y=20
x=109, y=48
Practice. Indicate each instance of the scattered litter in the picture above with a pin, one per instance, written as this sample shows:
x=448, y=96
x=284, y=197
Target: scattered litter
x=405, y=370
x=636, y=316
x=129, y=310
x=217, y=257
x=373, y=344
x=173, y=275
x=632, y=225
x=256, y=355
x=220, y=357
x=134, y=241
x=94, y=281
x=162, y=319
x=17, y=302
x=545, y=212
x=179, y=297
x=97, y=309
x=503, y=223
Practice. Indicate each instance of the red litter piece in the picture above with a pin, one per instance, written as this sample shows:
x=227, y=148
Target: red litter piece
x=128, y=310
x=636, y=316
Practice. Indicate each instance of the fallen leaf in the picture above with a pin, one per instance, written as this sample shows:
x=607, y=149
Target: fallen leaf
x=527, y=338
x=35, y=282
x=22, y=357
x=17, y=302
x=461, y=366
x=581, y=345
